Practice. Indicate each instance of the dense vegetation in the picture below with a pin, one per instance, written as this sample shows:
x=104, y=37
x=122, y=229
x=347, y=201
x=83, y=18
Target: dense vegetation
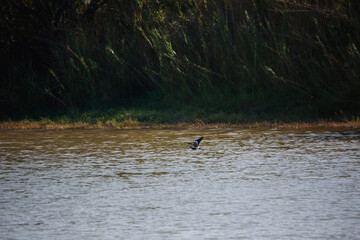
x=250, y=57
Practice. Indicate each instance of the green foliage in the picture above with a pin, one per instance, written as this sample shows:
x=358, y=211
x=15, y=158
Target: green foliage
x=238, y=58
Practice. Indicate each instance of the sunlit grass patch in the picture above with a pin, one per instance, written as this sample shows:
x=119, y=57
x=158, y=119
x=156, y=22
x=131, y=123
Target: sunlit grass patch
x=183, y=118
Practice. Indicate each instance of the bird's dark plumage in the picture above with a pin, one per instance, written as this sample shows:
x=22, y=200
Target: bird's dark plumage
x=196, y=144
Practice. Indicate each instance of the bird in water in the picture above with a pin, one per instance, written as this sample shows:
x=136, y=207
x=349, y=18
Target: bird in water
x=196, y=144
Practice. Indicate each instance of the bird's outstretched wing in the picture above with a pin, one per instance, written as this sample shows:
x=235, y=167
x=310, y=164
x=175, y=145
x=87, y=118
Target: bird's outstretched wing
x=199, y=140
x=196, y=144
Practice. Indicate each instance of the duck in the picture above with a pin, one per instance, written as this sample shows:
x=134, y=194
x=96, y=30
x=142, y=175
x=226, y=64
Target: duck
x=196, y=144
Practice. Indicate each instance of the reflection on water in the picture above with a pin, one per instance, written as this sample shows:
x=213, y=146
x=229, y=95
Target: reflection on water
x=147, y=184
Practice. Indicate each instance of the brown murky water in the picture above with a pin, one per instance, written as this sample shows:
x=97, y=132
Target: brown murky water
x=146, y=184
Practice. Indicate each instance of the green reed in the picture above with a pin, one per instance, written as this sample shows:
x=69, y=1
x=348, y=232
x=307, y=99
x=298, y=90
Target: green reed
x=238, y=58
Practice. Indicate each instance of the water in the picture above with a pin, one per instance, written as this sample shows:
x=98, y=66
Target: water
x=146, y=184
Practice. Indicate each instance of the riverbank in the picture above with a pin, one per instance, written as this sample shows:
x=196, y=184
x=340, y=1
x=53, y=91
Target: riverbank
x=25, y=124
x=175, y=118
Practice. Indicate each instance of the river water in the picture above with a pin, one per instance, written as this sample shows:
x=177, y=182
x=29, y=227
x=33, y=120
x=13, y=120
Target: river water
x=147, y=184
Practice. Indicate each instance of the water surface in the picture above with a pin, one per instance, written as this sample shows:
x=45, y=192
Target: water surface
x=147, y=184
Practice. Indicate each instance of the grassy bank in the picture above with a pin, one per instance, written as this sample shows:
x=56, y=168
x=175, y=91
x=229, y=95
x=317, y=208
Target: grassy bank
x=251, y=60
x=145, y=118
x=50, y=125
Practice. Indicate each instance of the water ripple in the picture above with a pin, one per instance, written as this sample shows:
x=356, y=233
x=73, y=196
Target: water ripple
x=147, y=184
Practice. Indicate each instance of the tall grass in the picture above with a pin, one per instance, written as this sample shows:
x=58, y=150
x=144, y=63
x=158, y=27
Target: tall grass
x=252, y=57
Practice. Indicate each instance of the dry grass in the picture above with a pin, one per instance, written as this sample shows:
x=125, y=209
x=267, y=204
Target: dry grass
x=197, y=124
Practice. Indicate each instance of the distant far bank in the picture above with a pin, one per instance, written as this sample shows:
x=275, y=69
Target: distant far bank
x=27, y=125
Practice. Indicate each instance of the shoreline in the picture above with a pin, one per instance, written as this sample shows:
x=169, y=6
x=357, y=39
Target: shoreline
x=27, y=125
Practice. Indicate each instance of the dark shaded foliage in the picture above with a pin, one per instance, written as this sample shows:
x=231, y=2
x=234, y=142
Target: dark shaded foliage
x=252, y=56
